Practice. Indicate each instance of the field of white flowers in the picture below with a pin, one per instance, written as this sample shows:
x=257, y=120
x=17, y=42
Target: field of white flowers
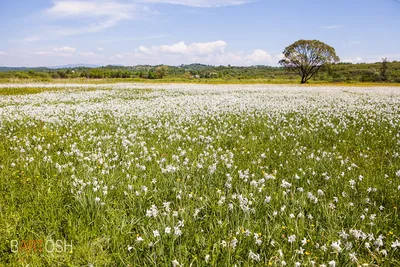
x=201, y=175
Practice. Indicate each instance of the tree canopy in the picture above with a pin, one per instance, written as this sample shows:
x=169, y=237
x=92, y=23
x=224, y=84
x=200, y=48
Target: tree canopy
x=307, y=57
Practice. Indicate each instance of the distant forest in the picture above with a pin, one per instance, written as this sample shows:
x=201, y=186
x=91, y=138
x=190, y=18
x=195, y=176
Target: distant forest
x=341, y=72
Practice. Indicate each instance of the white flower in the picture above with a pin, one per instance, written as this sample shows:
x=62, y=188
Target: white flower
x=353, y=257
x=332, y=264
x=234, y=242
x=156, y=233
x=395, y=244
x=197, y=211
x=343, y=234
x=97, y=199
x=152, y=212
x=175, y=263
x=291, y=238
x=336, y=246
x=300, y=251
x=166, y=206
x=181, y=223
x=177, y=231
x=286, y=184
x=207, y=258
x=130, y=248
x=167, y=230
x=254, y=256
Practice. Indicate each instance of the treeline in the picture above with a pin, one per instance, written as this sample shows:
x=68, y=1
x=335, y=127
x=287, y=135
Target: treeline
x=341, y=72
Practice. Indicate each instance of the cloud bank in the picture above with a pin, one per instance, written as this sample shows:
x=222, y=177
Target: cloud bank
x=208, y=53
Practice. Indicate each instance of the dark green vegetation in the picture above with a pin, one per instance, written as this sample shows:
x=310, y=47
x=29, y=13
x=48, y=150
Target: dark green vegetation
x=337, y=73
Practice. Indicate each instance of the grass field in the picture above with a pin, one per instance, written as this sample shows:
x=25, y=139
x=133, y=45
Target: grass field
x=199, y=175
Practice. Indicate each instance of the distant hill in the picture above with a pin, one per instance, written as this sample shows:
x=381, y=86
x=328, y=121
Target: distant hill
x=6, y=69
x=47, y=68
x=71, y=66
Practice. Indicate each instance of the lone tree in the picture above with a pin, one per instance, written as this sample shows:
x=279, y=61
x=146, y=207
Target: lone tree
x=307, y=57
x=384, y=68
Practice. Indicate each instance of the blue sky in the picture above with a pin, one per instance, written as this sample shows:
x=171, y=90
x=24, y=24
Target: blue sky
x=217, y=32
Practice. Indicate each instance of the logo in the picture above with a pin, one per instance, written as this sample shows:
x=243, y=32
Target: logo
x=40, y=246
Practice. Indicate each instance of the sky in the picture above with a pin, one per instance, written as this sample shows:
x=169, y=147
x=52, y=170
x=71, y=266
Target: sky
x=173, y=32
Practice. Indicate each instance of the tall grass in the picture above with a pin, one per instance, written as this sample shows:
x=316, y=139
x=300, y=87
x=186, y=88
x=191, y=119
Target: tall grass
x=201, y=178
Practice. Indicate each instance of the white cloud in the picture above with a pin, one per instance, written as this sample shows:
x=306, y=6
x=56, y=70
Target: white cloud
x=2, y=53
x=353, y=60
x=182, y=48
x=201, y=3
x=43, y=53
x=259, y=56
x=65, y=49
x=208, y=53
x=30, y=39
x=143, y=49
x=99, y=49
x=333, y=27
x=92, y=8
x=102, y=14
x=192, y=49
x=372, y=58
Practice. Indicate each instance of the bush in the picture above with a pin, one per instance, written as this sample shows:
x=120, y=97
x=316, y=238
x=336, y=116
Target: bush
x=339, y=80
x=62, y=74
x=21, y=75
x=55, y=75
